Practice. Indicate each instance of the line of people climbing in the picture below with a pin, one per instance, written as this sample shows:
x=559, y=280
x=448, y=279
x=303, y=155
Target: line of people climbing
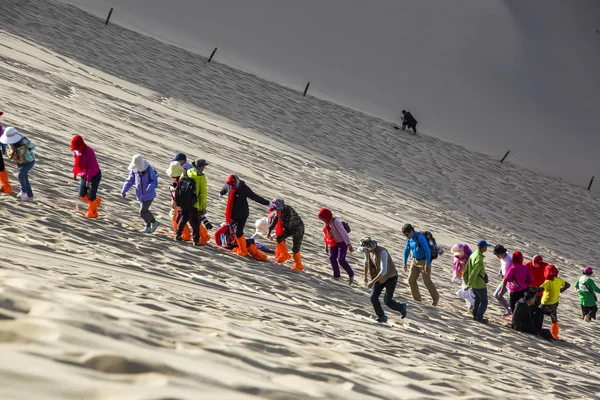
x=533, y=288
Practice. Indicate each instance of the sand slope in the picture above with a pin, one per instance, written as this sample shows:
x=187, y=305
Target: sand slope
x=96, y=310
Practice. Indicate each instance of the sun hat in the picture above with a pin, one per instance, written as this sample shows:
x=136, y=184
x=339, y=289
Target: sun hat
x=499, y=249
x=588, y=271
x=138, y=163
x=174, y=170
x=10, y=136
x=366, y=244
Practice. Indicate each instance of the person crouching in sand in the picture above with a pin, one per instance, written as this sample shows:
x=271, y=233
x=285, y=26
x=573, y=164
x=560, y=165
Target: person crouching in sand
x=379, y=265
x=86, y=166
x=145, y=180
x=337, y=244
x=527, y=317
x=286, y=223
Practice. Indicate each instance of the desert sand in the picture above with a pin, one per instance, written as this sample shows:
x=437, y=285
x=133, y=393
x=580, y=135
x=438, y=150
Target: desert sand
x=93, y=309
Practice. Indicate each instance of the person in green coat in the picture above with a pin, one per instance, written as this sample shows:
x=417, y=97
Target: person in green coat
x=587, y=294
x=475, y=278
x=196, y=213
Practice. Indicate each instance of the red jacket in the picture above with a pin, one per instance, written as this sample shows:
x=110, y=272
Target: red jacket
x=538, y=274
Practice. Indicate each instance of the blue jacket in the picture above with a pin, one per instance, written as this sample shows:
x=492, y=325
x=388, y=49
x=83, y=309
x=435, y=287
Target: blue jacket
x=420, y=251
x=145, y=184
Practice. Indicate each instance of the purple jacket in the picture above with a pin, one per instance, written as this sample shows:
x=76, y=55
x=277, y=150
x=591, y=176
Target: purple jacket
x=145, y=184
x=518, y=278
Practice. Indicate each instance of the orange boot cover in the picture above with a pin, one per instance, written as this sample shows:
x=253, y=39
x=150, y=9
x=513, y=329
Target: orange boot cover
x=204, y=235
x=4, y=185
x=297, y=262
x=281, y=252
x=241, y=249
x=93, y=208
x=256, y=253
x=554, y=328
x=185, y=235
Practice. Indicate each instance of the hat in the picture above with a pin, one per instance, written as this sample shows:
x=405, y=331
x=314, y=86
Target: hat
x=499, y=249
x=174, y=170
x=325, y=214
x=277, y=204
x=550, y=272
x=482, y=243
x=517, y=258
x=588, y=271
x=537, y=259
x=367, y=244
x=179, y=157
x=200, y=162
x=138, y=163
x=77, y=143
x=10, y=136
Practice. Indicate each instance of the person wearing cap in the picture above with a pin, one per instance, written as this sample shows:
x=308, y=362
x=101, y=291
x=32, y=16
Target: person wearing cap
x=175, y=171
x=287, y=223
x=409, y=121
x=145, y=180
x=505, y=264
x=196, y=211
x=20, y=151
x=527, y=317
x=476, y=279
x=537, y=266
x=337, y=243
x=380, y=267
x=416, y=244
x=518, y=278
x=587, y=289
x=85, y=166
x=237, y=210
x=182, y=160
x=553, y=286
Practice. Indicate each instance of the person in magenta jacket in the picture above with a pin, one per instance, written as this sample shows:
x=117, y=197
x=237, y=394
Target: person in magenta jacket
x=518, y=278
x=337, y=244
x=86, y=166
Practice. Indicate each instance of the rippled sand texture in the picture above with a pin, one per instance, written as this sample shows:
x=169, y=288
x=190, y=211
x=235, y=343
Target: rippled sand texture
x=93, y=309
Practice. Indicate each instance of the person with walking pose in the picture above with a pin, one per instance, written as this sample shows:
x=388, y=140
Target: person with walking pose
x=416, y=244
x=505, y=264
x=337, y=244
x=145, y=180
x=237, y=210
x=518, y=278
x=553, y=286
x=587, y=289
x=86, y=167
x=191, y=196
x=380, y=267
x=287, y=223
x=20, y=151
x=476, y=278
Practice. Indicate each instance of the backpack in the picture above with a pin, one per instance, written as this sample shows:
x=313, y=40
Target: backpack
x=346, y=226
x=430, y=241
x=185, y=193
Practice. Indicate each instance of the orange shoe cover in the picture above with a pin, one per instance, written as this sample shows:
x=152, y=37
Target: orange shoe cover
x=185, y=235
x=4, y=185
x=297, y=262
x=281, y=252
x=256, y=253
x=204, y=235
x=241, y=249
x=93, y=208
x=554, y=328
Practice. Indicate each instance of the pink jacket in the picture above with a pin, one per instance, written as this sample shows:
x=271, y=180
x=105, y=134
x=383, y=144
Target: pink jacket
x=339, y=232
x=89, y=167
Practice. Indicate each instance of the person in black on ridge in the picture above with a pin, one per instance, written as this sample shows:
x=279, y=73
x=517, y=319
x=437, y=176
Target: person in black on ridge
x=409, y=120
x=527, y=317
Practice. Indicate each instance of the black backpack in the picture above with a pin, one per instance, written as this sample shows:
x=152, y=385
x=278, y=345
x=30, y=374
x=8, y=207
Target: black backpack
x=430, y=241
x=345, y=225
x=185, y=194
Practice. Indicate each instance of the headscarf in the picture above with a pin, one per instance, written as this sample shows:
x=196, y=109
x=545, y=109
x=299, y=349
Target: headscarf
x=234, y=184
x=78, y=146
x=278, y=205
x=327, y=216
x=517, y=258
x=461, y=253
x=550, y=272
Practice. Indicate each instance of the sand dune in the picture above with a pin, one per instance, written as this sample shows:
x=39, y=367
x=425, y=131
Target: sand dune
x=96, y=310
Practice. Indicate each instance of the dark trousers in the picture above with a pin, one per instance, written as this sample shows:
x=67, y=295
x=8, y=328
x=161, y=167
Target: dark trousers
x=514, y=297
x=551, y=310
x=190, y=214
x=92, y=190
x=238, y=226
x=411, y=126
x=297, y=238
x=481, y=303
x=337, y=257
x=589, y=310
x=389, y=286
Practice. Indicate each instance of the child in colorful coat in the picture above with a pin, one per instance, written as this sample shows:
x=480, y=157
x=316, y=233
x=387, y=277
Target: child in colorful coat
x=553, y=286
x=337, y=244
x=145, y=180
x=225, y=237
x=587, y=294
x=287, y=223
x=20, y=150
x=86, y=166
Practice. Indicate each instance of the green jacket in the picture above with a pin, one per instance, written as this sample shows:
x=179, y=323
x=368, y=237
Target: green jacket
x=474, y=275
x=586, y=287
x=201, y=188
